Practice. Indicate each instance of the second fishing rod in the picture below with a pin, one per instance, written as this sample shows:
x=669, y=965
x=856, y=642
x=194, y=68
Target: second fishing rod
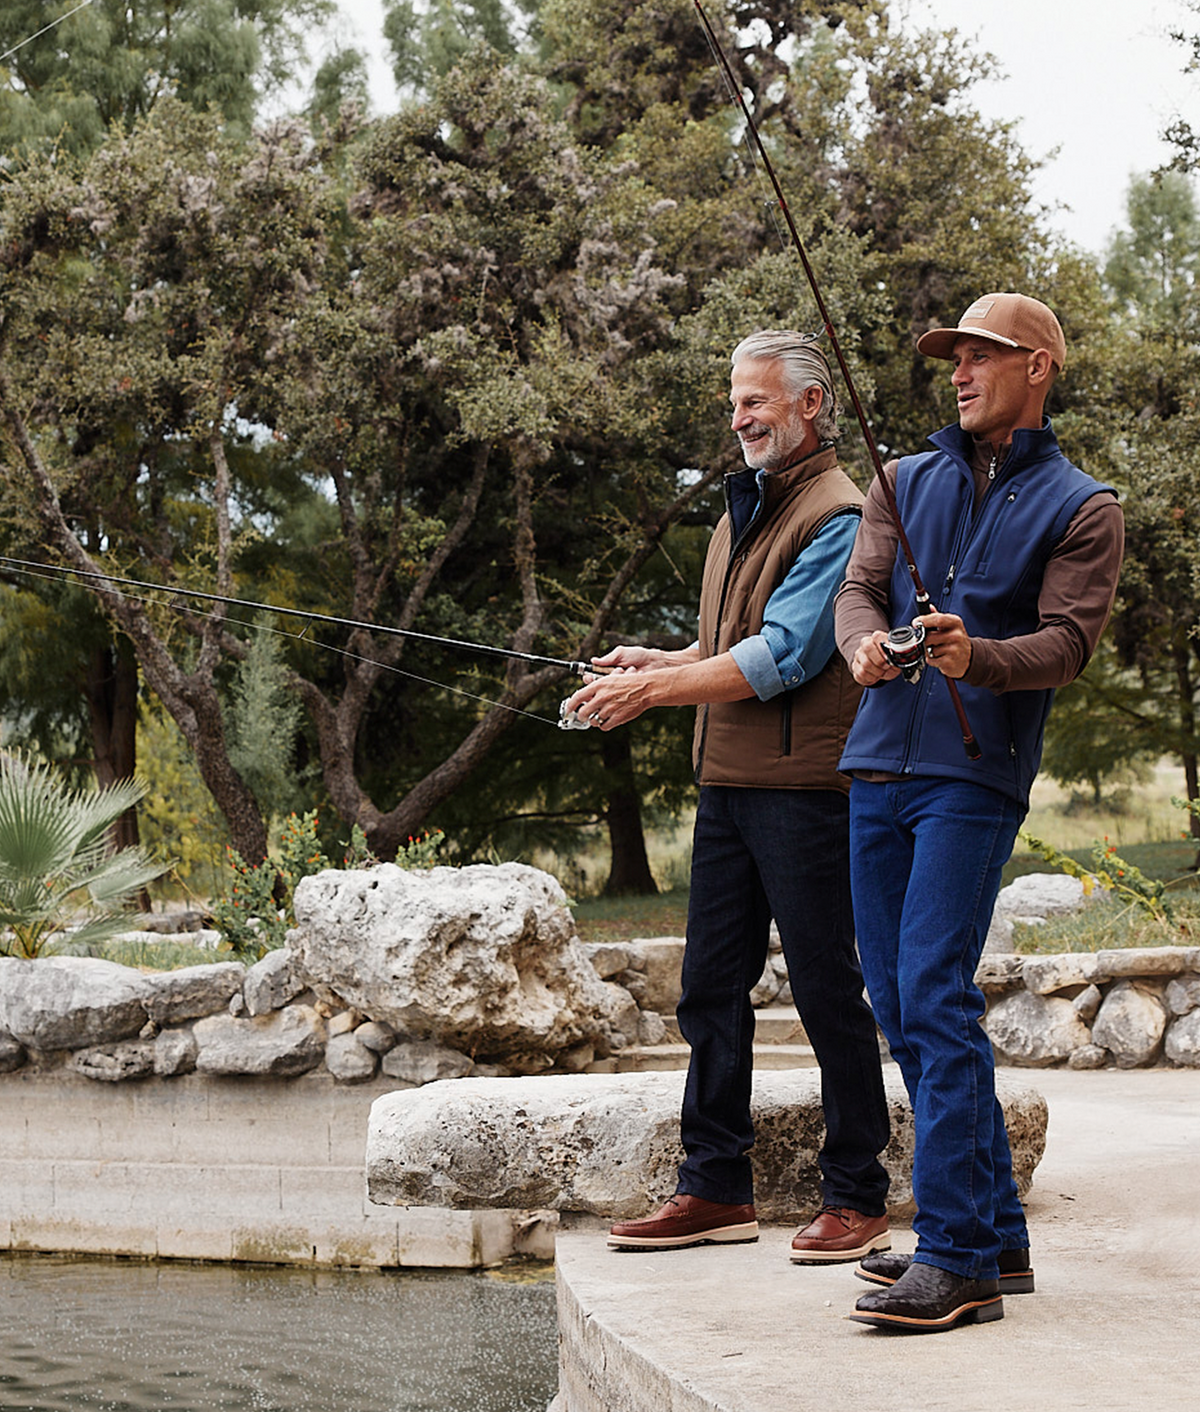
x=905, y=645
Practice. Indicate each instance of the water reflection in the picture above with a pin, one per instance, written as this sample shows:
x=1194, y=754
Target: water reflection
x=127, y=1337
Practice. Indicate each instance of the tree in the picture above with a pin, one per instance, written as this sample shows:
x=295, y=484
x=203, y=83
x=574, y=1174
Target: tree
x=109, y=62
x=412, y=381
x=1146, y=444
x=134, y=301
x=1100, y=727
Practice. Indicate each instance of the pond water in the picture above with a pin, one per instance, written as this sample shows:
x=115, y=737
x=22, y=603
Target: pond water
x=120, y=1336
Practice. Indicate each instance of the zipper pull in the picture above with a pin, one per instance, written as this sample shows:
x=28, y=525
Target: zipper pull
x=949, y=580
x=992, y=467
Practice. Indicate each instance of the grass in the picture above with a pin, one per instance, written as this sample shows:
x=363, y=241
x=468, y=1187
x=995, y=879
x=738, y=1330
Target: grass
x=1106, y=926
x=621, y=918
x=156, y=955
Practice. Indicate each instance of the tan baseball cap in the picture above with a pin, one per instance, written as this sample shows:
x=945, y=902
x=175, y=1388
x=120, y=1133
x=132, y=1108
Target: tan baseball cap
x=1015, y=320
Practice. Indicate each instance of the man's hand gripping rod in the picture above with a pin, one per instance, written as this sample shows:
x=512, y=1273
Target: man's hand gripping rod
x=924, y=605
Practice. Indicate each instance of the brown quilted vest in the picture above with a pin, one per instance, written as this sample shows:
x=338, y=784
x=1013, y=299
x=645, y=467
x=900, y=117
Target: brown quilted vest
x=795, y=740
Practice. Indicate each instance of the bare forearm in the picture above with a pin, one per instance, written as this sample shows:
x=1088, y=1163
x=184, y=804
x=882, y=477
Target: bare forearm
x=624, y=694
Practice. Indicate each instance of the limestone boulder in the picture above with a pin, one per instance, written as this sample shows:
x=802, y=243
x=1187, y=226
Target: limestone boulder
x=999, y=972
x=272, y=983
x=1088, y=1002
x=285, y=1042
x=608, y=1144
x=654, y=968
x=70, y=1002
x=608, y=958
x=421, y=1061
x=481, y=959
x=1149, y=961
x=1182, y=995
x=1035, y=1031
x=376, y=1036
x=1036, y=896
x=174, y=1053
x=1130, y=1023
x=1183, y=1041
x=1062, y=971
x=186, y=994
x=1090, y=1056
x=348, y=1060
x=110, y=1063
x=999, y=937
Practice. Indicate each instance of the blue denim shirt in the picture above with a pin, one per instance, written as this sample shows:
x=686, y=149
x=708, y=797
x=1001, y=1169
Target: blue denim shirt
x=796, y=639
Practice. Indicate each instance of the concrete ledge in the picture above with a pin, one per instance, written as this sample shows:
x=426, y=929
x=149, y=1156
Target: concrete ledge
x=737, y=1328
x=263, y=1170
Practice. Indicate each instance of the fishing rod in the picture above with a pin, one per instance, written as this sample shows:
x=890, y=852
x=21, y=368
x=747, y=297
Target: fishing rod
x=924, y=603
x=575, y=668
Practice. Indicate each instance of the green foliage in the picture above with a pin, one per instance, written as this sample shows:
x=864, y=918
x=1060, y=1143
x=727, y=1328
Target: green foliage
x=1111, y=872
x=427, y=39
x=262, y=720
x=151, y=954
x=1145, y=430
x=451, y=372
x=57, y=871
x=255, y=917
x=419, y=853
x=177, y=814
x=110, y=62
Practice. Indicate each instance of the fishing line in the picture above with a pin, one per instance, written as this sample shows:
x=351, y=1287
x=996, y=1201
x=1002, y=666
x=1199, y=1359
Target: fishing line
x=486, y=648
x=50, y=575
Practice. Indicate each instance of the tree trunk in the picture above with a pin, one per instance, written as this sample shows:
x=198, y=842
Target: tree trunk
x=629, y=870
x=1187, y=728
x=111, y=689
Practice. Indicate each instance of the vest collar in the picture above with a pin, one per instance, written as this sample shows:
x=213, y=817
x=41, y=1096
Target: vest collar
x=746, y=505
x=1028, y=445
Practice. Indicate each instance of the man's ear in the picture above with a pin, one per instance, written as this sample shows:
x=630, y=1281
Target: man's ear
x=1041, y=368
x=810, y=402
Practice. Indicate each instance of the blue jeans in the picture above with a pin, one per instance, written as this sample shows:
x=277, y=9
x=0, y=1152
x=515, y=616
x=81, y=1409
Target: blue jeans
x=926, y=860
x=782, y=853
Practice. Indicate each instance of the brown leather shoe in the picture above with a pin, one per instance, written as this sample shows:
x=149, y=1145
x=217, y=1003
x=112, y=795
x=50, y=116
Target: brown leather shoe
x=686, y=1220
x=838, y=1233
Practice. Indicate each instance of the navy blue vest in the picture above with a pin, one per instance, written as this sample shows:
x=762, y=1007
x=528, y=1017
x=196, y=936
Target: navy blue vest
x=987, y=567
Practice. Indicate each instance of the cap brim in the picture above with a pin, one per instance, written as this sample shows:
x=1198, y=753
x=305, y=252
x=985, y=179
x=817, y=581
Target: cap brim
x=939, y=342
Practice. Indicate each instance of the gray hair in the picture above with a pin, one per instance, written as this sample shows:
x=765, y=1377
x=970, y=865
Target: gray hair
x=804, y=366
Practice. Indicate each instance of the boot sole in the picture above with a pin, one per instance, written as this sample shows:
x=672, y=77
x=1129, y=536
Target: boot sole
x=1019, y=1283
x=840, y=1257
x=745, y=1234
x=983, y=1311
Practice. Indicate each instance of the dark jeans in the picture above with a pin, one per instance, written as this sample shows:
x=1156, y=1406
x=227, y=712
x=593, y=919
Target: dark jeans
x=782, y=853
x=927, y=859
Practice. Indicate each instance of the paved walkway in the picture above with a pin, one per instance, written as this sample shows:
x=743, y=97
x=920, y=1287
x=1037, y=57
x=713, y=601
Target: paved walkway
x=1114, y=1215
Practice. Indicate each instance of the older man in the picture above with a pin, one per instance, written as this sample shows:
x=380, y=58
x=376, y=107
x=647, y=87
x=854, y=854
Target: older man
x=771, y=836
x=1022, y=550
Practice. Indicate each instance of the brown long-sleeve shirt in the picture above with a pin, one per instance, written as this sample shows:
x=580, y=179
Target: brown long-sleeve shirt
x=1078, y=589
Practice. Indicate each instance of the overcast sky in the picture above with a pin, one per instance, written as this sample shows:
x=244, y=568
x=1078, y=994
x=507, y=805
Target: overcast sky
x=1095, y=79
